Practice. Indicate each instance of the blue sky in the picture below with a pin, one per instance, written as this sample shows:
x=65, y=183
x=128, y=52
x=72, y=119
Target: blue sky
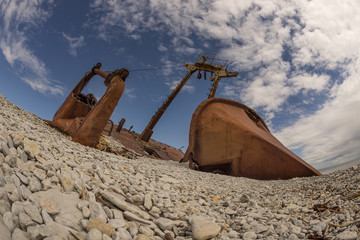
x=298, y=63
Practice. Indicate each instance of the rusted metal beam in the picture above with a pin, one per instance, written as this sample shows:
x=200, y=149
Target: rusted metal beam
x=111, y=127
x=84, y=121
x=148, y=131
x=201, y=65
x=121, y=124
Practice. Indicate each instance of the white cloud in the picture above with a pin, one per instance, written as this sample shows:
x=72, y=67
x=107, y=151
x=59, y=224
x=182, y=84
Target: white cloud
x=174, y=83
x=162, y=47
x=309, y=82
x=129, y=94
x=333, y=132
x=18, y=18
x=74, y=43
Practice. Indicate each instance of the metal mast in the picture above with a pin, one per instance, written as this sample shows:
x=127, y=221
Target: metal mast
x=202, y=64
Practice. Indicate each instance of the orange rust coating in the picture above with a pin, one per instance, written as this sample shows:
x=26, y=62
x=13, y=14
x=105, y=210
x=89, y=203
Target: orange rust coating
x=228, y=137
x=72, y=107
x=93, y=125
x=86, y=121
x=101, y=73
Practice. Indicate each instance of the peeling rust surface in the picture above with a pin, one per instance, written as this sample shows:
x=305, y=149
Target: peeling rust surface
x=82, y=116
x=230, y=138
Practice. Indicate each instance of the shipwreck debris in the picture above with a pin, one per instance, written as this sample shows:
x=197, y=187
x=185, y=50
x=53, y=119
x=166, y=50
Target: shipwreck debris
x=121, y=124
x=82, y=116
x=230, y=138
x=205, y=64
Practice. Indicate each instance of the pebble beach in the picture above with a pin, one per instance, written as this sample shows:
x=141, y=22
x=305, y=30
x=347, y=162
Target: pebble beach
x=52, y=188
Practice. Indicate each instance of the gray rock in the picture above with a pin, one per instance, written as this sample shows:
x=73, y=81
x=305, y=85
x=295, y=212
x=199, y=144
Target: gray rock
x=293, y=237
x=146, y=231
x=82, y=204
x=230, y=211
x=133, y=217
x=295, y=230
x=22, y=178
x=118, y=201
x=40, y=174
x=347, y=235
x=8, y=221
x=164, y=223
x=4, y=232
x=2, y=179
x=48, y=230
x=46, y=217
x=138, y=199
x=106, y=237
x=33, y=212
x=94, y=234
x=4, y=148
x=244, y=198
x=204, y=227
x=15, y=195
x=18, y=234
x=260, y=228
x=10, y=142
x=22, y=155
x=281, y=229
x=63, y=205
x=13, y=151
x=31, y=148
x=118, y=223
x=90, y=196
x=67, y=182
x=16, y=208
x=133, y=228
x=233, y=234
x=25, y=221
x=25, y=192
x=159, y=233
x=117, y=214
x=99, y=171
x=55, y=237
x=121, y=234
x=34, y=185
x=86, y=212
x=96, y=211
x=148, y=202
x=11, y=160
x=249, y=235
x=17, y=141
x=108, y=212
x=84, y=223
x=142, y=237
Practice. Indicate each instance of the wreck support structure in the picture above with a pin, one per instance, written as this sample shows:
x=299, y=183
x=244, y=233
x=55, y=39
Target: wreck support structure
x=204, y=64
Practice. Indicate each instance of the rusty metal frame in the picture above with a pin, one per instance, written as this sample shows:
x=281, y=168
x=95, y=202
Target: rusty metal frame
x=111, y=127
x=201, y=65
x=84, y=122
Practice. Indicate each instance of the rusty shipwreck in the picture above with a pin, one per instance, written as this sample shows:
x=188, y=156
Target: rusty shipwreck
x=225, y=136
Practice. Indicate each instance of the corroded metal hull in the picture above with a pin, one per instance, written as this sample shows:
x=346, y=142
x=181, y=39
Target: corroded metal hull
x=228, y=137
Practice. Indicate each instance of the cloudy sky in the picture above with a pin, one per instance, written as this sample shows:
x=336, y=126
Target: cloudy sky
x=298, y=63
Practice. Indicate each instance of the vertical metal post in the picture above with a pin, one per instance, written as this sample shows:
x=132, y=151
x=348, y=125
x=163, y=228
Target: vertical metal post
x=214, y=87
x=121, y=124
